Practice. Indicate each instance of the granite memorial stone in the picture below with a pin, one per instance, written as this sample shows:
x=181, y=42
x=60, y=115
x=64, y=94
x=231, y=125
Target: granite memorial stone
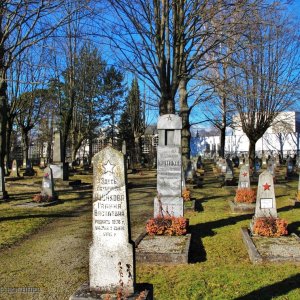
x=14, y=169
x=169, y=167
x=112, y=252
x=48, y=184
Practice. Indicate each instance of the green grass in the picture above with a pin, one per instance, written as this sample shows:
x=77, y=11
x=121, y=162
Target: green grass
x=219, y=269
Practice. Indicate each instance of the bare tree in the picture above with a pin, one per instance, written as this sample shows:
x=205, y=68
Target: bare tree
x=23, y=23
x=166, y=43
x=265, y=72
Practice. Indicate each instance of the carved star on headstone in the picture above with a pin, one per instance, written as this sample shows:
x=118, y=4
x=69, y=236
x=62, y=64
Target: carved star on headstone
x=108, y=167
x=169, y=118
x=245, y=174
x=266, y=186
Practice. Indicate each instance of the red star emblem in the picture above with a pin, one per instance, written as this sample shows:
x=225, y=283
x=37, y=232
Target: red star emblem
x=266, y=186
x=245, y=174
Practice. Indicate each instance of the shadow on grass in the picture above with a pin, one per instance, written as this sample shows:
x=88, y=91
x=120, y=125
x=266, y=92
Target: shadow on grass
x=274, y=290
x=294, y=228
x=69, y=214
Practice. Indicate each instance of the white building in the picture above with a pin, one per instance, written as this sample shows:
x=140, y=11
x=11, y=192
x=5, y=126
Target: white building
x=283, y=136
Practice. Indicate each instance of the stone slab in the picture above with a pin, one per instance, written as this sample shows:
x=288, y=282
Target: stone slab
x=241, y=207
x=169, y=121
x=172, y=206
x=169, y=170
x=164, y=249
x=143, y=292
x=272, y=249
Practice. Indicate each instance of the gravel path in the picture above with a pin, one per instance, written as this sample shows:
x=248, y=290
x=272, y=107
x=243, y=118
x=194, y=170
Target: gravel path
x=52, y=263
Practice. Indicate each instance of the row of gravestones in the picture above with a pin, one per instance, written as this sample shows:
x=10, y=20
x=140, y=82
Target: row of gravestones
x=111, y=263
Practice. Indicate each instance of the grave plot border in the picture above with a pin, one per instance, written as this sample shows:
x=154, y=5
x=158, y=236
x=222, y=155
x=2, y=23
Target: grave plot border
x=257, y=258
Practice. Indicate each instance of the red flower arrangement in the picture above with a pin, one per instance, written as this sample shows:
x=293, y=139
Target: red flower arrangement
x=245, y=195
x=269, y=226
x=167, y=226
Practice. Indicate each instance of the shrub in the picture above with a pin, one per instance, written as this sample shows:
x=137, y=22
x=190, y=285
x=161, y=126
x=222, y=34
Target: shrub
x=186, y=194
x=269, y=226
x=245, y=195
x=167, y=226
x=42, y=198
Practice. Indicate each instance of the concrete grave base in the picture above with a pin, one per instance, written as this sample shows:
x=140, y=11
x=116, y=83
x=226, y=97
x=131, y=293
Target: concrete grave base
x=142, y=292
x=163, y=249
x=241, y=207
x=272, y=249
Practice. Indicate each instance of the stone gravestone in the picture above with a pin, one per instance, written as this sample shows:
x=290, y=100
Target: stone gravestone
x=169, y=200
x=112, y=252
x=3, y=193
x=14, y=169
x=60, y=170
x=289, y=167
x=244, y=179
x=265, y=199
x=263, y=161
x=48, y=184
x=271, y=166
x=229, y=170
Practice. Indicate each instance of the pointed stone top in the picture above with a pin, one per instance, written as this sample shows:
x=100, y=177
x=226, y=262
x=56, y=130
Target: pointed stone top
x=169, y=121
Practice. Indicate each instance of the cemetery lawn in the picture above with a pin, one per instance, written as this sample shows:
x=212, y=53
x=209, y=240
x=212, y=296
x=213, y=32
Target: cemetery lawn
x=47, y=248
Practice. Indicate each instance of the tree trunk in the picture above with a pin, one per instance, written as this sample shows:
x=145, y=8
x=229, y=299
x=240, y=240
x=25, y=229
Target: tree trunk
x=166, y=104
x=222, y=141
x=252, y=152
x=3, y=119
x=8, y=139
x=25, y=142
x=137, y=150
x=185, y=114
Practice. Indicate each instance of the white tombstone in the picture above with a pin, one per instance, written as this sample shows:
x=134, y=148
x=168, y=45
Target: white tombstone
x=265, y=199
x=111, y=252
x=244, y=179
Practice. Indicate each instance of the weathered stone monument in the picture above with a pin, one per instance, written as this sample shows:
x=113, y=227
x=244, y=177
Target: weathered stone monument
x=14, y=169
x=111, y=253
x=244, y=179
x=59, y=168
x=3, y=193
x=112, y=267
x=265, y=199
x=48, y=184
x=229, y=170
x=169, y=167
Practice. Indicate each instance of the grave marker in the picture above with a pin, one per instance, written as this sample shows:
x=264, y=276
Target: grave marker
x=265, y=199
x=111, y=253
x=169, y=167
x=244, y=179
x=3, y=193
x=14, y=169
x=48, y=183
